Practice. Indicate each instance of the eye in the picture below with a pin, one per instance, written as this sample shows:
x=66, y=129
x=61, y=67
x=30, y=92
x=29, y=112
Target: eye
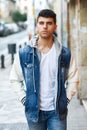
x=49, y=23
x=41, y=23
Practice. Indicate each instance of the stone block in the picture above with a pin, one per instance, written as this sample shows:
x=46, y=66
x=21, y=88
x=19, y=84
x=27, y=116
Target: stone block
x=83, y=73
x=83, y=56
x=82, y=91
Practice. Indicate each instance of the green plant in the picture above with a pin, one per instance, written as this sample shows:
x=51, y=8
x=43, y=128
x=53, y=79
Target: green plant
x=17, y=16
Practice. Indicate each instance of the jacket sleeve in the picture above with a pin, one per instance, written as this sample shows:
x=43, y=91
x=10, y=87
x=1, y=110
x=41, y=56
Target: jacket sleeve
x=16, y=78
x=72, y=81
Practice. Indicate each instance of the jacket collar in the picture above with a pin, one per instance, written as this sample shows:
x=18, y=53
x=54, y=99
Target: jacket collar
x=33, y=43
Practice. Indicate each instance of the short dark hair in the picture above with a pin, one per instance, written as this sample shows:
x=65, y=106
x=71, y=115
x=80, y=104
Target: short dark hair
x=47, y=13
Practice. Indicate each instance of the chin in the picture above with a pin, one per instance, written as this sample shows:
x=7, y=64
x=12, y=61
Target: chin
x=45, y=36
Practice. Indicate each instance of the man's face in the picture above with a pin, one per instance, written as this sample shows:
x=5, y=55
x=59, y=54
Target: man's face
x=46, y=27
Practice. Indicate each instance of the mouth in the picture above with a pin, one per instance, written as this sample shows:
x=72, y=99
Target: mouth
x=44, y=32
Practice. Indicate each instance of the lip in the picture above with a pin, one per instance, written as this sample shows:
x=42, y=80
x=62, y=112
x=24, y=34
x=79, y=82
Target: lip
x=44, y=32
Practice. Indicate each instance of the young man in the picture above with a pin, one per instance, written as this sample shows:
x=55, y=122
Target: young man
x=49, y=74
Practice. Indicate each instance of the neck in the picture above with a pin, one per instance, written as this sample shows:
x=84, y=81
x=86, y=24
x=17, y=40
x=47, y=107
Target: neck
x=44, y=45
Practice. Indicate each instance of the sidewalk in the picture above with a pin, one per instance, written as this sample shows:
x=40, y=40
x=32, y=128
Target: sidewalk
x=12, y=115
x=85, y=104
x=77, y=115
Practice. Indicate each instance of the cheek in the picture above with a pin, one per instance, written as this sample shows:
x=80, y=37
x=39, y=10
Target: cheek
x=54, y=29
x=37, y=29
x=51, y=30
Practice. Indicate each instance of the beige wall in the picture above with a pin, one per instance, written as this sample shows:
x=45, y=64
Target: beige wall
x=57, y=9
x=60, y=8
x=83, y=49
x=77, y=37
x=78, y=40
x=6, y=9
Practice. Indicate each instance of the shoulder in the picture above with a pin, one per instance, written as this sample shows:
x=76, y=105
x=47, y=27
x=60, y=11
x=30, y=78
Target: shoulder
x=26, y=49
x=23, y=52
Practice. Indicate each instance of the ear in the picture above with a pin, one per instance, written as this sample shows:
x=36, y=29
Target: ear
x=55, y=27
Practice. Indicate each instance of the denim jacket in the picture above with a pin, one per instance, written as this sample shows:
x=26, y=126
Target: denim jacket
x=30, y=63
x=26, y=68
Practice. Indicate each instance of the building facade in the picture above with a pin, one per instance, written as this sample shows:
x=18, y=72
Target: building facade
x=76, y=35
x=7, y=7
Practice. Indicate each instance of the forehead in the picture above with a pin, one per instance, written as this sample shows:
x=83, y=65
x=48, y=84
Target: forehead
x=44, y=19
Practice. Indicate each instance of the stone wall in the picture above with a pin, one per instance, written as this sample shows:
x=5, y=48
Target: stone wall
x=78, y=41
x=83, y=50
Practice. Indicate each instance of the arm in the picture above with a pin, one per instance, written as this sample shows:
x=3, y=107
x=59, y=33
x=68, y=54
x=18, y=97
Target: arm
x=16, y=79
x=72, y=81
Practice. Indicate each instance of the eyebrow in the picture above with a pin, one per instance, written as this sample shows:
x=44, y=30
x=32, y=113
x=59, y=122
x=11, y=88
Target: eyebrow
x=42, y=22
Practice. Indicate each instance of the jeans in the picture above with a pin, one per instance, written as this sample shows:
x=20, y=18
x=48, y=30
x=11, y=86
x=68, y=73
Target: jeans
x=48, y=120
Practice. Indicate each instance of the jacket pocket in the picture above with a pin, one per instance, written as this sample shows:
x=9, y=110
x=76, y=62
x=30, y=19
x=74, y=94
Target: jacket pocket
x=62, y=105
x=28, y=70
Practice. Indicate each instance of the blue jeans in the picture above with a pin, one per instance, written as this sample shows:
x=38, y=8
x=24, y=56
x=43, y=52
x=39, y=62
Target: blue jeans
x=48, y=120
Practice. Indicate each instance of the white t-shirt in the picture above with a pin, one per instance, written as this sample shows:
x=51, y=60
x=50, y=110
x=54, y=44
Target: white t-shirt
x=47, y=80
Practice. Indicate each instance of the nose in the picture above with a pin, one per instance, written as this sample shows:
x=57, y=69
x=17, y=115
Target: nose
x=45, y=25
